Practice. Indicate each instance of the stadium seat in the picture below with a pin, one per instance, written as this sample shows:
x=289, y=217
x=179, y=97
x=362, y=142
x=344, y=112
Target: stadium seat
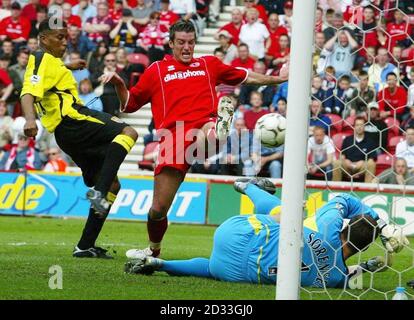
x=138, y=58
x=392, y=143
x=348, y=126
x=338, y=140
x=148, y=164
x=393, y=127
x=384, y=162
x=336, y=125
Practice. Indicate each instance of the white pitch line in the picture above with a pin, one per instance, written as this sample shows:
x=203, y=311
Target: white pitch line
x=20, y=244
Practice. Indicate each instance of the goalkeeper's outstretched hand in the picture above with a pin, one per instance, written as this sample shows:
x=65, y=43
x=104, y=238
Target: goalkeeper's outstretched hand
x=392, y=237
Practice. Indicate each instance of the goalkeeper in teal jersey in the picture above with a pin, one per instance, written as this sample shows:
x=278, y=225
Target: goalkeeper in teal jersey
x=245, y=247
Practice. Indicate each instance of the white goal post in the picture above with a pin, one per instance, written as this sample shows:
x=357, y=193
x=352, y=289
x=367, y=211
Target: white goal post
x=300, y=73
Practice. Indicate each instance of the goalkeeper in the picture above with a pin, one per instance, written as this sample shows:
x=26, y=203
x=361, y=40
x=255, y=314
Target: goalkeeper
x=246, y=247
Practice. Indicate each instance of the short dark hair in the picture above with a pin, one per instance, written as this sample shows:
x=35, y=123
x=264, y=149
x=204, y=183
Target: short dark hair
x=243, y=45
x=361, y=231
x=181, y=26
x=219, y=49
x=345, y=77
x=391, y=74
x=363, y=73
x=47, y=25
x=282, y=99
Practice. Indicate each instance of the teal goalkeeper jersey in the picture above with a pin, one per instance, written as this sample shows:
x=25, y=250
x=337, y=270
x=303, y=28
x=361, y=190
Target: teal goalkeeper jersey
x=322, y=260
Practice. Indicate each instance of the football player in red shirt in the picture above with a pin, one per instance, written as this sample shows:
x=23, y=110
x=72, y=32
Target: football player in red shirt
x=181, y=90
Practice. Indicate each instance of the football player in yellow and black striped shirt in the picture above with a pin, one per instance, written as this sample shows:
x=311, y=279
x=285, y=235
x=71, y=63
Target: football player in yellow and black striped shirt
x=96, y=141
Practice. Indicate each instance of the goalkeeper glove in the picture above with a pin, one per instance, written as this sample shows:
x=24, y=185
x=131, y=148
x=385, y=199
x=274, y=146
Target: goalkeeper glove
x=377, y=264
x=392, y=237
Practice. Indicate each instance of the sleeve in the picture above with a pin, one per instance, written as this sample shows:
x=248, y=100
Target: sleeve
x=330, y=148
x=141, y=93
x=5, y=78
x=39, y=76
x=228, y=74
x=26, y=27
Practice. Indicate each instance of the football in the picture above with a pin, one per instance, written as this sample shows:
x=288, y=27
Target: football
x=271, y=129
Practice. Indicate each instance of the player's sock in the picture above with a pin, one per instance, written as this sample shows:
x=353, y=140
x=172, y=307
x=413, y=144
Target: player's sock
x=93, y=226
x=198, y=267
x=264, y=202
x=156, y=230
x=115, y=155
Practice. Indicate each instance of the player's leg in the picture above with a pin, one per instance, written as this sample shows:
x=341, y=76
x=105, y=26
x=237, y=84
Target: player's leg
x=86, y=246
x=260, y=191
x=166, y=184
x=196, y=267
x=116, y=152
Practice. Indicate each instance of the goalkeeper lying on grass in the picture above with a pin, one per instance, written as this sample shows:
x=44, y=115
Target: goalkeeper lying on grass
x=246, y=247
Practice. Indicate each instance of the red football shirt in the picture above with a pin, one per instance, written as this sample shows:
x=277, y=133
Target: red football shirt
x=394, y=102
x=168, y=18
x=248, y=64
x=4, y=77
x=251, y=117
x=15, y=30
x=234, y=31
x=397, y=32
x=181, y=92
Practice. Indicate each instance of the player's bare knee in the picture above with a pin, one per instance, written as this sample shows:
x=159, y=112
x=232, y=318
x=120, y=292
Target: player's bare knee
x=131, y=132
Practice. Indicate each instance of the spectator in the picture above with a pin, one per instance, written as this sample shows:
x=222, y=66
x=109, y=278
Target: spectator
x=318, y=47
x=6, y=126
x=124, y=67
x=266, y=91
x=32, y=44
x=98, y=28
x=321, y=155
x=405, y=149
x=273, y=6
x=6, y=84
x=286, y=18
x=256, y=111
x=281, y=107
x=244, y=60
x=397, y=31
x=15, y=27
x=167, y=17
x=88, y=97
x=398, y=174
x=378, y=71
x=316, y=91
x=376, y=128
x=79, y=74
x=282, y=56
x=402, y=65
x=360, y=97
x=109, y=98
x=242, y=152
x=141, y=13
x=339, y=52
x=254, y=34
x=21, y=157
x=229, y=49
x=85, y=10
x=272, y=160
x=253, y=4
x=55, y=162
x=234, y=26
x=5, y=9
x=78, y=42
x=29, y=11
x=337, y=24
x=367, y=34
x=95, y=59
x=281, y=93
x=358, y=155
x=316, y=118
x=115, y=12
x=7, y=51
x=125, y=33
x=318, y=19
x=409, y=122
x=336, y=103
x=275, y=32
x=41, y=14
x=69, y=18
x=369, y=59
x=392, y=99
x=16, y=73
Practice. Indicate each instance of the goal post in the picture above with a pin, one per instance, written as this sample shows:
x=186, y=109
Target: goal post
x=291, y=227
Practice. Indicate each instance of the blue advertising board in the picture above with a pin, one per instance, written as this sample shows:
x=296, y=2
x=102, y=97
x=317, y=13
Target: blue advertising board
x=64, y=195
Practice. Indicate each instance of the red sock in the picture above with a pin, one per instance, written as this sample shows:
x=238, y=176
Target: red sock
x=156, y=229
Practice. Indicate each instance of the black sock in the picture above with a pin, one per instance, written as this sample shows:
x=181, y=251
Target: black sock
x=91, y=230
x=114, y=157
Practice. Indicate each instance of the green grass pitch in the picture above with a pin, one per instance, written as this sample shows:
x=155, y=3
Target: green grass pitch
x=30, y=246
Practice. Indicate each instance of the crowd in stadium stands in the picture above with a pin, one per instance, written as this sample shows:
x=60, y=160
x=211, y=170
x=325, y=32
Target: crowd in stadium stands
x=362, y=107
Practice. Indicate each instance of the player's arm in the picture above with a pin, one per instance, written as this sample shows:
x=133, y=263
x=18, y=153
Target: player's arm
x=263, y=79
x=29, y=113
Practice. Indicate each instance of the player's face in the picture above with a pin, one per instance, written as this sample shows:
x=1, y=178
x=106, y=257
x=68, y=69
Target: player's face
x=183, y=46
x=55, y=42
